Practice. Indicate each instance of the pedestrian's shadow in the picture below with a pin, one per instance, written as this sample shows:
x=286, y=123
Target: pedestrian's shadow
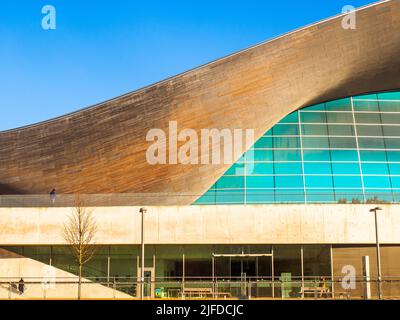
x=12, y=288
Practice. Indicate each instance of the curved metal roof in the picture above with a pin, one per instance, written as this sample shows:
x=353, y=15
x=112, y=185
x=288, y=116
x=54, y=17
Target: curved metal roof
x=102, y=149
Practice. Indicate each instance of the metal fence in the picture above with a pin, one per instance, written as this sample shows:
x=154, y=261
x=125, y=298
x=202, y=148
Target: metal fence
x=190, y=289
x=154, y=199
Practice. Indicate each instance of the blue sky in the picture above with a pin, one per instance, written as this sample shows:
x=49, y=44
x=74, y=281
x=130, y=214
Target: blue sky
x=102, y=49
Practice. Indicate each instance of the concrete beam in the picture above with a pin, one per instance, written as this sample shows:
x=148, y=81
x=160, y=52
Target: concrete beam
x=264, y=224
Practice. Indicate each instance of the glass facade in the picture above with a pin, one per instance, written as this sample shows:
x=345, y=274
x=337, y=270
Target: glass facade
x=343, y=151
x=196, y=262
x=231, y=271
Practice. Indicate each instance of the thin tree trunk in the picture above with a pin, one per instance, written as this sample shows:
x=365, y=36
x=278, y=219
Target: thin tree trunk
x=80, y=283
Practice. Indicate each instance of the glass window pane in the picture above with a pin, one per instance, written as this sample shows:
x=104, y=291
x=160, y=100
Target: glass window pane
x=377, y=182
x=317, y=168
x=286, y=130
x=317, y=107
x=392, y=143
x=349, y=195
x=344, y=155
x=289, y=196
x=353, y=182
x=287, y=261
x=287, y=155
x=365, y=105
x=257, y=182
x=230, y=196
x=198, y=261
x=396, y=183
x=41, y=253
x=391, y=131
x=390, y=118
x=313, y=117
x=208, y=198
x=288, y=168
x=268, y=133
x=339, y=105
x=264, y=143
x=169, y=262
x=309, y=142
x=259, y=168
x=291, y=118
x=389, y=96
x=371, y=143
x=379, y=196
x=393, y=156
x=260, y=155
x=389, y=106
x=260, y=196
x=396, y=196
x=284, y=142
x=123, y=262
x=62, y=258
x=366, y=97
x=237, y=167
x=394, y=168
x=373, y=155
x=230, y=182
x=341, y=130
x=317, y=155
x=369, y=131
x=318, y=196
x=366, y=118
x=289, y=181
x=339, y=117
x=314, y=130
x=319, y=182
x=375, y=168
x=317, y=261
x=343, y=143
x=346, y=168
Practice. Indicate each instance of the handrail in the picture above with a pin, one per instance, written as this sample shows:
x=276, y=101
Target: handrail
x=139, y=199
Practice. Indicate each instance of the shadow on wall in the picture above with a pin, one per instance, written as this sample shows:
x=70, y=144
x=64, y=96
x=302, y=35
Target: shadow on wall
x=4, y=254
x=7, y=190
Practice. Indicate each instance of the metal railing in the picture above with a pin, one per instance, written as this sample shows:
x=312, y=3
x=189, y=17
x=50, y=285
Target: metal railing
x=149, y=199
x=193, y=288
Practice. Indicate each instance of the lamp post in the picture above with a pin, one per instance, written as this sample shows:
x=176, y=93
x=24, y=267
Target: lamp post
x=378, y=251
x=142, y=211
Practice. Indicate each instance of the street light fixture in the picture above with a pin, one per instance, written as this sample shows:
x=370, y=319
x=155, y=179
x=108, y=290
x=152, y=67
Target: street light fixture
x=142, y=211
x=378, y=251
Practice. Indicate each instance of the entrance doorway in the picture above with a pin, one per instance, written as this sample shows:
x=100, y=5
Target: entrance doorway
x=148, y=284
x=248, y=275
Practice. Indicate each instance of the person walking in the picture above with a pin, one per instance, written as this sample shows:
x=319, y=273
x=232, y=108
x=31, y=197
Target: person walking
x=21, y=286
x=53, y=195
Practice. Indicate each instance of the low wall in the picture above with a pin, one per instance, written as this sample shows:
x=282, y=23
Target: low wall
x=264, y=224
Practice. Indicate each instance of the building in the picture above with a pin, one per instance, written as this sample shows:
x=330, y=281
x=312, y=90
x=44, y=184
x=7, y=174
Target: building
x=290, y=217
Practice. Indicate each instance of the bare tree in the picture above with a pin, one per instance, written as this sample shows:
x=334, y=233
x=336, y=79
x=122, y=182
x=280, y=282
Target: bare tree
x=79, y=233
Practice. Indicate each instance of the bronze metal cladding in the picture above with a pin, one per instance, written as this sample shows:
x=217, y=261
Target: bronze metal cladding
x=102, y=149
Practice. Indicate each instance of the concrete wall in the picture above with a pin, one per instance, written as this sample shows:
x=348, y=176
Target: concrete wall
x=266, y=224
